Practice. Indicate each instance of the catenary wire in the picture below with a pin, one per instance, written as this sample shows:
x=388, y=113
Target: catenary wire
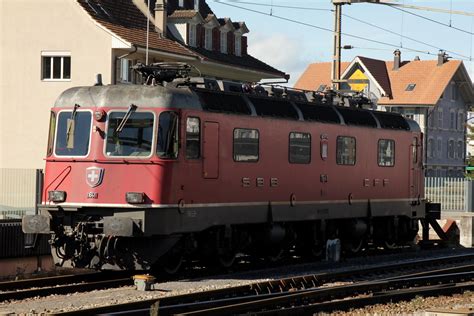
x=329, y=30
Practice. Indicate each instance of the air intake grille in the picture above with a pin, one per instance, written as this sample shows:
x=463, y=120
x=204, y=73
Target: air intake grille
x=392, y=120
x=273, y=107
x=223, y=102
x=319, y=113
x=357, y=117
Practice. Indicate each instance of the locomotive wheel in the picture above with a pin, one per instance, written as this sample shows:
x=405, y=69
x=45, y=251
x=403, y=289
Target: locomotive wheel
x=172, y=263
x=389, y=244
x=227, y=259
x=354, y=246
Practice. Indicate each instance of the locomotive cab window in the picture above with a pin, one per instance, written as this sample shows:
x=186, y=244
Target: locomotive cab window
x=300, y=148
x=246, y=143
x=193, y=138
x=346, y=150
x=168, y=142
x=386, y=153
x=73, y=133
x=129, y=136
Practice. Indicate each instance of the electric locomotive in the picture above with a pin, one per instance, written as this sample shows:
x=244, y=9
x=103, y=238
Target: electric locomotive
x=149, y=175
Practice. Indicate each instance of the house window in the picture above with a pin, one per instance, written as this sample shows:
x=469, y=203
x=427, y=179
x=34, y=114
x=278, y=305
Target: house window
x=386, y=153
x=410, y=87
x=126, y=70
x=238, y=45
x=55, y=66
x=431, y=148
x=246, y=145
x=208, y=39
x=345, y=150
x=192, y=35
x=451, y=149
x=440, y=146
x=460, y=150
x=454, y=92
x=300, y=148
x=440, y=118
x=452, y=119
x=460, y=121
x=224, y=42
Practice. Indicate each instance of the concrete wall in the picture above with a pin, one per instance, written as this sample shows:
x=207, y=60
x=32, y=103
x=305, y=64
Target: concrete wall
x=28, y=27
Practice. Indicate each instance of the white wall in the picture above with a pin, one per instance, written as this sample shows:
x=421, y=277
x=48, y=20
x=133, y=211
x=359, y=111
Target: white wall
x=28, y=27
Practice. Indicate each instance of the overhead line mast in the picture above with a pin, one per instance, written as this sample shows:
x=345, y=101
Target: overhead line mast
x=336, y=60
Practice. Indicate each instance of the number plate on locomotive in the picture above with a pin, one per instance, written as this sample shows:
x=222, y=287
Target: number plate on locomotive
x=92, y=195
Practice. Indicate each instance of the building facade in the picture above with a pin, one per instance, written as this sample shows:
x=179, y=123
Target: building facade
x=437, y=94
x=51, y=46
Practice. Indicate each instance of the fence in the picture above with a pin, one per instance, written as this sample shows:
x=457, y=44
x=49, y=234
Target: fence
x=18, y=192
x=452, y=193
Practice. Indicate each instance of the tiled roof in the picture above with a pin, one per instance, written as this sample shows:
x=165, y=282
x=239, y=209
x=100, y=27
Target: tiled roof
x=378, y=70
x=317, y=74
x=183, y=14
x=430, y=79
x=124, y=19
x=244, y=61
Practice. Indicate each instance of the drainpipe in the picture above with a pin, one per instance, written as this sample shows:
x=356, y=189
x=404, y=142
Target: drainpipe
x=135, y=48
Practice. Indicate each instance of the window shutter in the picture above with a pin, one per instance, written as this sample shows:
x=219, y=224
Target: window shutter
x=216, y=39
x=230, y=43
x=199, y=35
x=187, y=33
x=244, y=45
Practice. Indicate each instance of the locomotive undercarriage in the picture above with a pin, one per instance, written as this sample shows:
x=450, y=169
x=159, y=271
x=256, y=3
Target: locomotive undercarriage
x=79, y=240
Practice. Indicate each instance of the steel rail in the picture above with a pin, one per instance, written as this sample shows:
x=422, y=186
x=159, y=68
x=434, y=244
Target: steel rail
x=64, y=289
x=302, y=298
x=244, y=293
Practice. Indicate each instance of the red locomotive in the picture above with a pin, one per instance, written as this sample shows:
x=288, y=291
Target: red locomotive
x=147, y=175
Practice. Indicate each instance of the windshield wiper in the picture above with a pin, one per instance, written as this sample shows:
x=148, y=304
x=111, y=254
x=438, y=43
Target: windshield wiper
x=132, y=108
x=71, y=125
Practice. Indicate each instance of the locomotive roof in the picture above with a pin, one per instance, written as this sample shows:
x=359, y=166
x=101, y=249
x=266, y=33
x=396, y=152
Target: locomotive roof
x=228, y=102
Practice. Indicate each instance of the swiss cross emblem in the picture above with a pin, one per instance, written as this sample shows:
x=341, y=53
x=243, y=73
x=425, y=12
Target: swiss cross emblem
x=94, y=176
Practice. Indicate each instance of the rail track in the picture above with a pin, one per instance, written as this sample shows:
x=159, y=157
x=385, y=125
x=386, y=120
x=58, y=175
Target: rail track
x=63, y=284
x=314, y=293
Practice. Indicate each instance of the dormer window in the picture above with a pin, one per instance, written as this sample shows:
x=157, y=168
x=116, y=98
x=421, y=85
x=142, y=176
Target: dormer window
x=238, y=45
x=224, y=42
x=208, y=39
x=410, y=87
x=192, y=35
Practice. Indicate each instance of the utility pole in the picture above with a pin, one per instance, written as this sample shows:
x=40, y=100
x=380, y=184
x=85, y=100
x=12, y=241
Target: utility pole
x=336, y=58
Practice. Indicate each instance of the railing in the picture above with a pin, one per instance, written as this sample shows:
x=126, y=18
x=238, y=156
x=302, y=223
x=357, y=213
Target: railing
x=18, y=189
x=450, y=192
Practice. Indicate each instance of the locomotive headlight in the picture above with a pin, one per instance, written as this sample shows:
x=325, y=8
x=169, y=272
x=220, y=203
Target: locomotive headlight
x=135, y=197
x=56, y=196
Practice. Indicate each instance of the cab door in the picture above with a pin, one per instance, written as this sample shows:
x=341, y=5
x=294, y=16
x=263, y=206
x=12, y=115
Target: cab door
x=210, y=169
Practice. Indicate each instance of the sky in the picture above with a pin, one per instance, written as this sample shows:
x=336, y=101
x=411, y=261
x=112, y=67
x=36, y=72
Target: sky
x=290, y=46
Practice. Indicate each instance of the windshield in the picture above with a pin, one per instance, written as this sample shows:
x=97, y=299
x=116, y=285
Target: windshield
x=134, y=139
x=73, y=134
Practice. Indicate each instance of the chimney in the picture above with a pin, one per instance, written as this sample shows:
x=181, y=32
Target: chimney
x=161, y=17
x=397, y=59
x=196, y=5
x=417, y=58
x=442, y=57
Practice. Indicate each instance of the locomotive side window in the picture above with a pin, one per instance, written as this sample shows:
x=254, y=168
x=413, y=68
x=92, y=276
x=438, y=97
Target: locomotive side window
x=52, y=128
x=386, y=150
x=134, y=139
x=300, y=148
x=346, y=150
x=168, y=143
x=73, y=133
x=246, y=145
x=193, y=138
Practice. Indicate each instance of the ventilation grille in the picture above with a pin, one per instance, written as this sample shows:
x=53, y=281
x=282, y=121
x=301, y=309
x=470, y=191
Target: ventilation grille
x=273, y=107
x=357, y=117
x=391, y=120
x=223, y=102
x=319, y=113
